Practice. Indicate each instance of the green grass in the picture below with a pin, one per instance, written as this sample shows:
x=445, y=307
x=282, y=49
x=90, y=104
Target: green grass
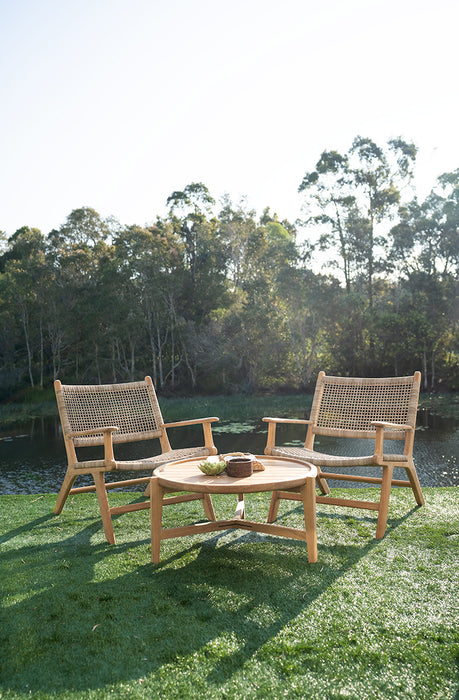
x=236, y=615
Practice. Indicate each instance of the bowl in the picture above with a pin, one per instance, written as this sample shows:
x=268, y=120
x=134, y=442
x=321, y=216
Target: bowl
x=239, y=466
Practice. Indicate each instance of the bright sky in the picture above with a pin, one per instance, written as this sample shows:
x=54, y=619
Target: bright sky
x=114, y=104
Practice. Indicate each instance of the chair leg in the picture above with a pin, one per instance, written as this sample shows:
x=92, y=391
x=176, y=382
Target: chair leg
x=384, y=501
x=415, y=485
x=321, y=483
x=99, y=480
x=67, y=484
x=274, y=507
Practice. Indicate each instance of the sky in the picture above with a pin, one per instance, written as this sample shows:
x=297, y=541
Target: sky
x=115, y=104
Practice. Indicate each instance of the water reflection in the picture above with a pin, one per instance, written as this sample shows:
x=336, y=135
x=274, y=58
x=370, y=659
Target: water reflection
x=32, y=456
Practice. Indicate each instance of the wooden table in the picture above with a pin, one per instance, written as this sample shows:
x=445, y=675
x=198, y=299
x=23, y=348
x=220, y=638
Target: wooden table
x=281, y=473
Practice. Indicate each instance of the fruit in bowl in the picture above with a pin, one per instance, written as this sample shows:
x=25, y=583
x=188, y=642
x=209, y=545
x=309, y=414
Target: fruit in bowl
x=212, y=468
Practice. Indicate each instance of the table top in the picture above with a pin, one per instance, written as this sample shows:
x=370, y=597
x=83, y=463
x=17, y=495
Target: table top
x=279, y=473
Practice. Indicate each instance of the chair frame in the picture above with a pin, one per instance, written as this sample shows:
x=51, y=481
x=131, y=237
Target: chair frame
x=107, y=414
x=354, y=407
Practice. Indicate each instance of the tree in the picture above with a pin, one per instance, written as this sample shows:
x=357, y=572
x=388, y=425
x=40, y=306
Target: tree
x=236, y=227
x=329, y=201
x=427, y=237
x=188, y=210
x=353, y=197
x=230, y=302
x=74, y=253
x=379, y=175
x=255, y=331
x=426, y=250
x=83, y=227
x=205, y=252
x=306, y=300
x=150, y=267
x=25, y=282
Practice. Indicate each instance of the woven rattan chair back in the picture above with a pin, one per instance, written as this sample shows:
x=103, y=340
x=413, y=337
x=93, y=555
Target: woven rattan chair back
x=346, y=406
x=132, y=407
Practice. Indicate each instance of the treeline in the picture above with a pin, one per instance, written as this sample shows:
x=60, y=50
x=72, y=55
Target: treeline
x=212, y=298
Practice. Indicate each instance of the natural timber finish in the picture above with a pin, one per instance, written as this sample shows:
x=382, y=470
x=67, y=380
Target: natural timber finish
x=106, y=415
x=377, y=409
x=279, y=473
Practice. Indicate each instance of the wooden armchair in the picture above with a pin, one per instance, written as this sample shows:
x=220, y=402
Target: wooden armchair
x=105, y=415
x=349, y=407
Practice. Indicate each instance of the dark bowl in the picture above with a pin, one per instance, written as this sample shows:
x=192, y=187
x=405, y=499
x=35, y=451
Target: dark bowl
x=239, y=466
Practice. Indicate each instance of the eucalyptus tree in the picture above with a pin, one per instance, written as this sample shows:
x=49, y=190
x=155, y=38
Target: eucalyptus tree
x=188, y=210
x=307, y=302
x=273, y=257
x=83, y=227
x=192, y=219
x=237, y=225
x=449, y=184
x=74, y=252
x=149, y=266
x=426, y=251
x=379, y=175
x=24, y=293
x=354, y=197
x=204, y=287
x=329, y=202
x=3, y=241
x=427, y=237
x=253, y=327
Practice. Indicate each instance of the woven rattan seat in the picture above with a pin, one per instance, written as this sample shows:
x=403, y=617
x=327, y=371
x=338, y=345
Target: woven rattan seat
x=321, y=459
x=110, y=414
x=378, y=409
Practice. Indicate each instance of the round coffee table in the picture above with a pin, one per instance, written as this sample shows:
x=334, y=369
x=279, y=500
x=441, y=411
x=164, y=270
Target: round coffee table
x=280, y=473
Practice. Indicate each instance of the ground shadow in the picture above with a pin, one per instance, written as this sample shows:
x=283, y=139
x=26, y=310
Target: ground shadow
x=118, y=629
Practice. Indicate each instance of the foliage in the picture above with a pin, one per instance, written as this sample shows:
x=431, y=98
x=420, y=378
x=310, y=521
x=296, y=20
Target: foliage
x=235, y=615
x=227, y=303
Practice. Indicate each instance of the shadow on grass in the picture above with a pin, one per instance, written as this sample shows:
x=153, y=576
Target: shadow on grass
x=33, y=524
x=97, y=614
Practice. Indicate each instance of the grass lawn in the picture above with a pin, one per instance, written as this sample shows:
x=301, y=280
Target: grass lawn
x=233, y=615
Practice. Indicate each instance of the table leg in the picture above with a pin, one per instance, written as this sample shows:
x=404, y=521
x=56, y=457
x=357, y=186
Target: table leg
x=240, y=508
x=156, y=500
x=208, y=507
x=274, y=507
x=308, y=496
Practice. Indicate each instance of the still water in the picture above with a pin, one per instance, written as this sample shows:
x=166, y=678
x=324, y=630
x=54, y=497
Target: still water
x=32, y=455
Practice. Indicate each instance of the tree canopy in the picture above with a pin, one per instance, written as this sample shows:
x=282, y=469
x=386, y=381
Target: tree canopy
x=213, y=299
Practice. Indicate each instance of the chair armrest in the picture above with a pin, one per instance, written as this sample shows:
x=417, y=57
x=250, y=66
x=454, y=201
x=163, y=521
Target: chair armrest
x=206, y=426
x=394, y=426
x=300, y=421
x=380, y=426
x=109, y=456
x=271, y=441
x=192, y=421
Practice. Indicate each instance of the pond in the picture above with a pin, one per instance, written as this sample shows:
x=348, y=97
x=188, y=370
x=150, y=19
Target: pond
x=32, y=455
